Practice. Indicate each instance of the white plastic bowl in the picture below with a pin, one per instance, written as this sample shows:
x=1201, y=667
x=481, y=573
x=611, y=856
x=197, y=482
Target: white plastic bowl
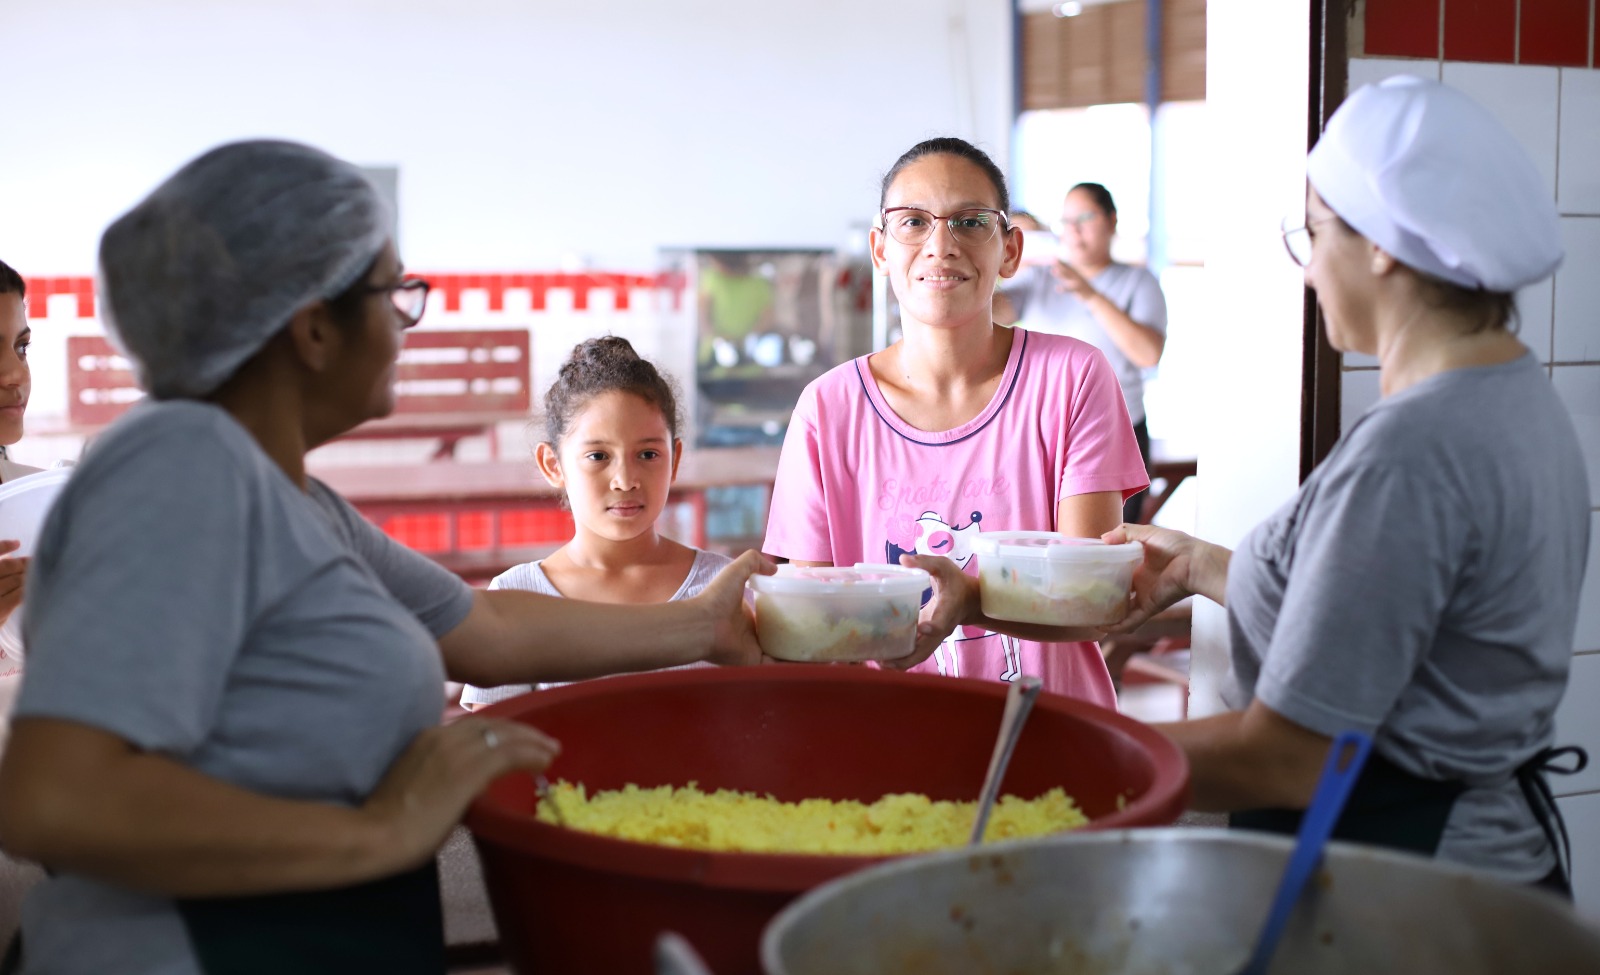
x=862, y=612
x=1055, y=579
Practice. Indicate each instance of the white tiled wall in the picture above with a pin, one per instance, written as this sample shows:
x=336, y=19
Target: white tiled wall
x=1524, y=98
x=1579, y=388
x=1577, y=301
x=1555, y=114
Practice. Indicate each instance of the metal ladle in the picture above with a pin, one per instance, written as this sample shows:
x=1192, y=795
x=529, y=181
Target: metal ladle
x=1019, y=701
x=675, y=956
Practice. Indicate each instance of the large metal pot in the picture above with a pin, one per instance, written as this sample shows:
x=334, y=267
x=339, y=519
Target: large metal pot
x=1170, y=902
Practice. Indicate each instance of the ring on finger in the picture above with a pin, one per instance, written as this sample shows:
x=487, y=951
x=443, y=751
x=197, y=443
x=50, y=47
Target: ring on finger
x=491, y=739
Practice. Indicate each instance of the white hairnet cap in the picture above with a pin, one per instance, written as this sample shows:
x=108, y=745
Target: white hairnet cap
x=1428, y=175
x=197, y=277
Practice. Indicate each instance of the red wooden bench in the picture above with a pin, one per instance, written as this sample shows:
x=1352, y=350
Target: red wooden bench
x=479, y=519
x=451, y=384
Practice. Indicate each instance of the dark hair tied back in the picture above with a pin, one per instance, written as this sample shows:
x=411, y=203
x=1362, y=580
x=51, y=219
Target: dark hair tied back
x=1101, y=197
x=949, y=146
x=605, y=365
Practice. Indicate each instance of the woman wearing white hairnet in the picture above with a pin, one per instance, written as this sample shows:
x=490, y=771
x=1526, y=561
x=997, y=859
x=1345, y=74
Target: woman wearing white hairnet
x=1422, y=586
x=227, y=747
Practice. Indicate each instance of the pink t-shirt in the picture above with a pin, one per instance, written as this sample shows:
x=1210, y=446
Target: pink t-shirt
x=857, y=484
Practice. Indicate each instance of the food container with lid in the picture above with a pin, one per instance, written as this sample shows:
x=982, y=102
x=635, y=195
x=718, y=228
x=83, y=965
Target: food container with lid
x=1055, y=579
x=825, y=614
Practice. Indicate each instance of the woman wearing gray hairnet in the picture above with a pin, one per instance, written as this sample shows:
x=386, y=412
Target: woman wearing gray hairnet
x=1422, y=586
x=227, y=747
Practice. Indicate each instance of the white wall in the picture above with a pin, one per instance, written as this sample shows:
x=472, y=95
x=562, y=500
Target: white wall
x=527, y=134
x=1248, y=424
x=1555, y=114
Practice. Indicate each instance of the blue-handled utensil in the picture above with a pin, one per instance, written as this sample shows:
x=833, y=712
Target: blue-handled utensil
x=1339, y=774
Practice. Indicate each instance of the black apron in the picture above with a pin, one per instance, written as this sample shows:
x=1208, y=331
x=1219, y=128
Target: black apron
x=394, y=926
x=1393, y=808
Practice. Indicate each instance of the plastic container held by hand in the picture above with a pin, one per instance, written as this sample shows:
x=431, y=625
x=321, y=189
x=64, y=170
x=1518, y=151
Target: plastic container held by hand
x=824, y=615
x=24, y=504
x=1054, y=579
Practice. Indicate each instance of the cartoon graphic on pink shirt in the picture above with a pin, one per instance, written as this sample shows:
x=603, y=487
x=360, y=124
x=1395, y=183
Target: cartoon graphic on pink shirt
x=857, y=483
x=935, y=536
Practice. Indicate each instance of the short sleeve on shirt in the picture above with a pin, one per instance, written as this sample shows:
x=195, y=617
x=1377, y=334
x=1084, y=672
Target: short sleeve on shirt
x=1148, y=305
x=1101, y=452
x=798, y=492
x=435, y=596
x=1348, y=636
x=147, y=654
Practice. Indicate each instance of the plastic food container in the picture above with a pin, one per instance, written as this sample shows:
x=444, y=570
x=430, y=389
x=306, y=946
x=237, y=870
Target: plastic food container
x=24, y=505
x=1051, y=578
x=571, y=902
x=864, y=612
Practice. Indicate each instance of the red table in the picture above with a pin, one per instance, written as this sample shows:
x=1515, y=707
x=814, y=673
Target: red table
x=479, y=519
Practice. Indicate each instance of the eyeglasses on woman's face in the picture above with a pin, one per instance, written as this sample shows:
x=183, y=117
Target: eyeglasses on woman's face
x=911, y=226
x=409, y=297
x=1297, y=237
x=1077, y=221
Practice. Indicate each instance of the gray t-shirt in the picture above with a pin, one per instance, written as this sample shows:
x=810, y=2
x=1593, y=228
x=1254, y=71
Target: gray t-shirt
x=189, y=598
x=1423, y=587
x=530, y=576
x=1042, y=307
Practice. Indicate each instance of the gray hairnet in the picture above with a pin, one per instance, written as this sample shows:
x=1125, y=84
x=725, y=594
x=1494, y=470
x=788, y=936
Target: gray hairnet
x=208, y=267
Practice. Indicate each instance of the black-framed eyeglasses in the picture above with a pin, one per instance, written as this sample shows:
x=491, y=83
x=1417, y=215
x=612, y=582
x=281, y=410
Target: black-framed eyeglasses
x=1297, y=238
x=912, y=226
x=409, y=297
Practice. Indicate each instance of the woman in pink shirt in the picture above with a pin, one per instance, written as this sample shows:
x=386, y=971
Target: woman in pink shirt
x=961, y=427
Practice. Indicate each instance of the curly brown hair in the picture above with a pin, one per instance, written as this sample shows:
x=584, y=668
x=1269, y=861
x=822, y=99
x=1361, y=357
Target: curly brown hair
x=605, y=365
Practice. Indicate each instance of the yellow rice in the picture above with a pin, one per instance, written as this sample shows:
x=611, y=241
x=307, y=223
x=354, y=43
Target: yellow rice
x=745, y=822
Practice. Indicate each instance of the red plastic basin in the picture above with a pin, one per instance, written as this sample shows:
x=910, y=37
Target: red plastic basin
x=569, y=902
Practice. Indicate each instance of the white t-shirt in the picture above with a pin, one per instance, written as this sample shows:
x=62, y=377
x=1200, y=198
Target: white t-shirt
x=530, y=577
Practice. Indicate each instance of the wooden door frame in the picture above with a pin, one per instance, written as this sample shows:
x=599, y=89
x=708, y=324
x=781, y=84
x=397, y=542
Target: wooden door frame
x=1321, y=367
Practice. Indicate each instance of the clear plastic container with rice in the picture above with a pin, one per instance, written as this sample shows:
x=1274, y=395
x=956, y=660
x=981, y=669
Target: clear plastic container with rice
x=1047, y=577
x=861, y=612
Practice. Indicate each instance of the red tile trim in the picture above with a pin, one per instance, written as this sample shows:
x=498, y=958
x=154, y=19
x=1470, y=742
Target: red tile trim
x=1555, y=32
x=447, y=288
x=1402, y=28
x=1480, y=30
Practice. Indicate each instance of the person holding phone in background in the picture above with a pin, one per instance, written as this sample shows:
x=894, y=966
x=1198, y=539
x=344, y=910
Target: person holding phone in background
x=1117, y=308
